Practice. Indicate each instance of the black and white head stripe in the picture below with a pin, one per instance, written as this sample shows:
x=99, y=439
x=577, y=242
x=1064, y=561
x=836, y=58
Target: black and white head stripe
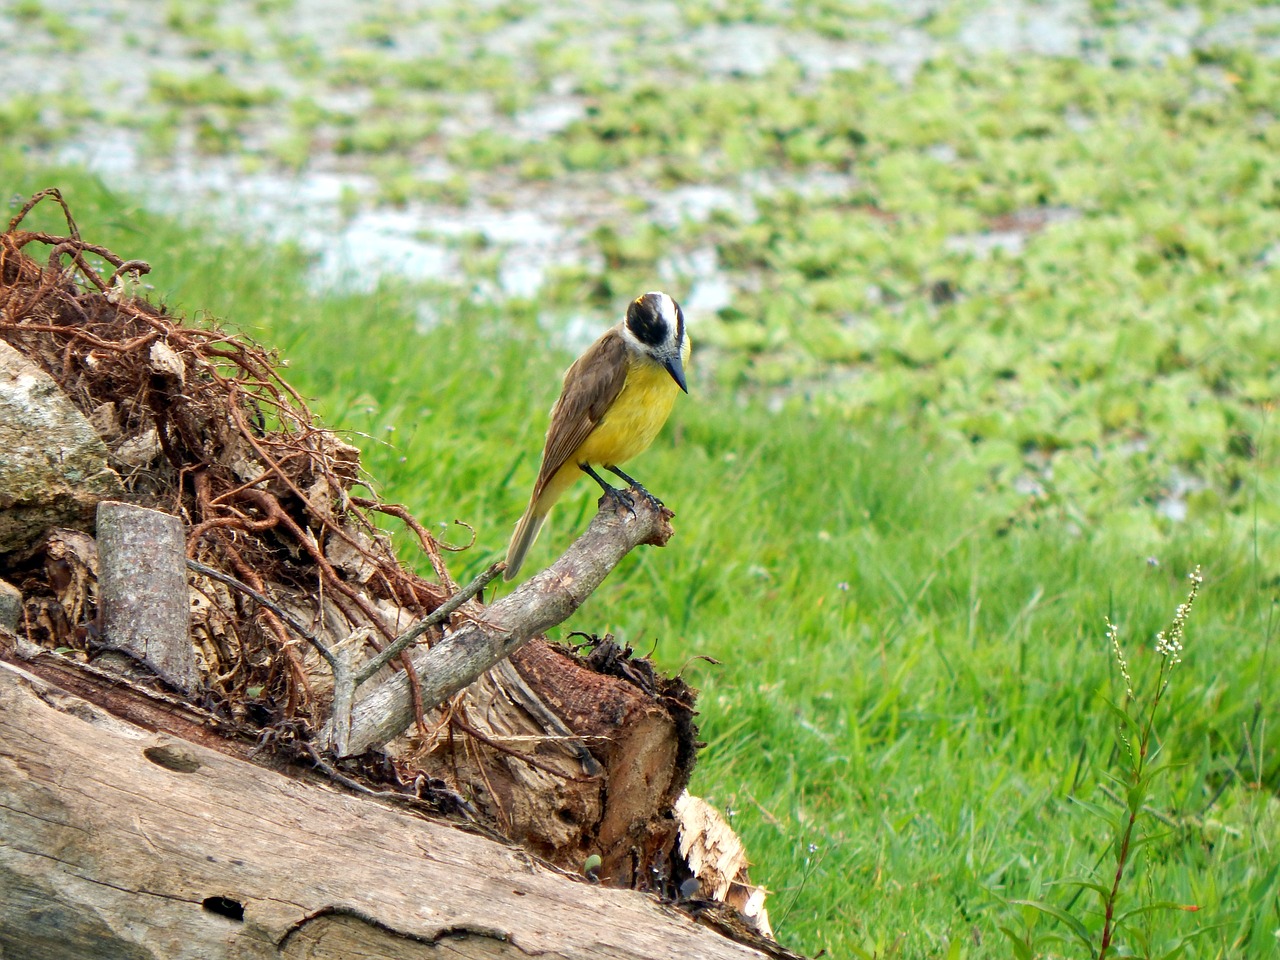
x=656, y=320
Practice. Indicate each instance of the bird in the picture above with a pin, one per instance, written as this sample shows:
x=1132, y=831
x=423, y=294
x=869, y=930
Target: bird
x=614, y=400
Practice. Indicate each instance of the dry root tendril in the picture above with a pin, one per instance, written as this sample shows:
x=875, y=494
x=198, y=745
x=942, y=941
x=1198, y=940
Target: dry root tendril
x=200, y=424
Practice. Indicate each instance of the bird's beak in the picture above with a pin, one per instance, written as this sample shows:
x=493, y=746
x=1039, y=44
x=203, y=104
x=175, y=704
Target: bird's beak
x=676, y=369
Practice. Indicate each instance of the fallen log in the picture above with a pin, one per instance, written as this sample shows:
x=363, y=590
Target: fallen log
x=120, y=842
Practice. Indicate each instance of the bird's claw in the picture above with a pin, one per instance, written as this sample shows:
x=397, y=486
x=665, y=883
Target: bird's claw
x=649, y=497
x=627, y=498
x=622, y=498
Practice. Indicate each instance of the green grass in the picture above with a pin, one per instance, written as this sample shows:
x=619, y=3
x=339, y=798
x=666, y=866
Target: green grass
x=913, y=668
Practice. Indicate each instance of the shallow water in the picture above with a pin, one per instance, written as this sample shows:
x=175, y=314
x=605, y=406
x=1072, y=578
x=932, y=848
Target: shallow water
x=331, y=204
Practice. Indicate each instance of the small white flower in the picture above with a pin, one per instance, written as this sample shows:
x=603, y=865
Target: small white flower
x=1113, y=634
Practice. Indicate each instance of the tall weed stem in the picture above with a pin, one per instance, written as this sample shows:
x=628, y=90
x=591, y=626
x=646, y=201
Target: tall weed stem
x=1169, y=647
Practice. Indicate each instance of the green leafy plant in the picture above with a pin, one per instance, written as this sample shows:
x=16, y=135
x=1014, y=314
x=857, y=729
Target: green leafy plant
x=1137, y=736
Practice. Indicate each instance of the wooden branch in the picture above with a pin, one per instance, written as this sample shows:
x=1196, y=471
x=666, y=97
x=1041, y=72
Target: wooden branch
x=347, y=680
x=438, y=616
x=119, y=842
x=544, y=601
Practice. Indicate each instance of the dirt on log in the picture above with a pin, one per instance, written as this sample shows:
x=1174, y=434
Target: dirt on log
x=293, y=591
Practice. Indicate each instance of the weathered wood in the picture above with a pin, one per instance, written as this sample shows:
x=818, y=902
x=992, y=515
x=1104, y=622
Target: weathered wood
x=142, y=591
x=346, y=679
x=571, y=762
x=143, y=705
x=542, y=602
x=119, y=843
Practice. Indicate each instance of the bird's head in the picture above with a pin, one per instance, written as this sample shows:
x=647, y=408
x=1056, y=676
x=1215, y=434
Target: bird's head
x=655, y=325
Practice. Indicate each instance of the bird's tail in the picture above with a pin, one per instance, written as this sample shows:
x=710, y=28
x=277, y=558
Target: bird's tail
x=526, y=532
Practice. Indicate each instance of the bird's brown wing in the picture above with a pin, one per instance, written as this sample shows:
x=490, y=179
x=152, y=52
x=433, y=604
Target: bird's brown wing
x=590, y=387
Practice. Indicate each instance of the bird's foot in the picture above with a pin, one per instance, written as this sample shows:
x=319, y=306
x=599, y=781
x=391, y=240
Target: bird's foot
x=638, y=487
x=648, y=497
x=622, y=498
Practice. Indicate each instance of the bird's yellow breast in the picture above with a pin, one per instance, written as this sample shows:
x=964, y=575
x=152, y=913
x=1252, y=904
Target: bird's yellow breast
x=635, y=418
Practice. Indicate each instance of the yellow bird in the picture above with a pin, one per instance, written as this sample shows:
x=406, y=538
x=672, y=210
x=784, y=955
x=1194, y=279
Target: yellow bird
x=615, y=399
